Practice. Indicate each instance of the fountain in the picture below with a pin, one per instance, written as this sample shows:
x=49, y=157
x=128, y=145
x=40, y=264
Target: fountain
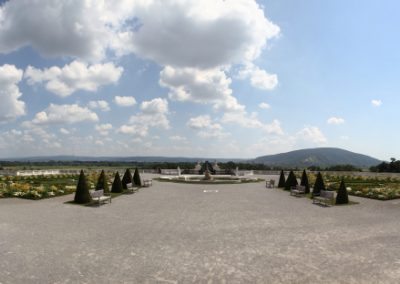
x=207, y=174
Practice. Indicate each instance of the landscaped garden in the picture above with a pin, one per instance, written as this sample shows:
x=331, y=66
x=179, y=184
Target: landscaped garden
x=39, y=187
x=369, y=187
x=381, y=188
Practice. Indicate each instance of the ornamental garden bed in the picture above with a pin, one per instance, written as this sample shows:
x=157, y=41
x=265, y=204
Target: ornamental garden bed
x=40, y=187
x=368, y=187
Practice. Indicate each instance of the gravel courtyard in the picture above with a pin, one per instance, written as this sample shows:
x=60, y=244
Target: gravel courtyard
x=177, y=233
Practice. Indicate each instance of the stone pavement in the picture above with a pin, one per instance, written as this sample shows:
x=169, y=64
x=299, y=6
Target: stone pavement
x=177, y=233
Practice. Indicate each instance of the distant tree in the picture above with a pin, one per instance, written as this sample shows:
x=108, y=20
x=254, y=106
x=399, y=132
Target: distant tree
x=82, y=194
x=318, y=185
x=347, y=168
x=314, y=168
x=342, y=196
x=117, y=185
x=392, y=167
x=304, y=182
x=291, y=181
x=136, y=178
x=127, y=178
x=281, y=182
x=230, y=165
x=102, y=182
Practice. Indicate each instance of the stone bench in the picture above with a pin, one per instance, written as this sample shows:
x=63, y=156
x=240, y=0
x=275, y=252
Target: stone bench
x=130, y=188
x=147, y=182
x=270, y=183
x=298, y=190
x=326, y=197
x=99, y=197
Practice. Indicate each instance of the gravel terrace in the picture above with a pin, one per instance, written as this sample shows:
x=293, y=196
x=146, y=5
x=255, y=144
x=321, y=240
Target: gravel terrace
x=185, y=233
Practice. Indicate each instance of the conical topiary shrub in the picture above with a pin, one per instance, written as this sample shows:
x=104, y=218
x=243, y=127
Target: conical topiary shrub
x=342, y=196
x=82, y=194
x=136, y=178
x=291, y=181
x=102, y=182
x=127, y=178
x=304, y=182
x=117, y=185
x=318, y=185
x=281, y=182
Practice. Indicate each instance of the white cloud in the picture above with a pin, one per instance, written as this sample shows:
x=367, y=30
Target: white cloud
x=81, y=29
x=210, y=86
x=243, y=119
x=201, y=122
x=311, y=134
x=376, y=103
x=64, y=131
x=155, y=106
x=335, y=120
x=206, y=127
x=127, y=129
x=181, y=36
x=124, y=101
x=34, y=139
x=10, y=106
x=178, y=138
x=274, y=127
x=153, y=114
x=60, y=114
x=258, y=78
x=102, y=105
x=213, y=133
x=264, y=106
x=197, y=40
x=103, y=129
x=74, y=77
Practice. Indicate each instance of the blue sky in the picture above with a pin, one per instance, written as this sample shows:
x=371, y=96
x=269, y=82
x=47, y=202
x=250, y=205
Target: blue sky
x=198, y=78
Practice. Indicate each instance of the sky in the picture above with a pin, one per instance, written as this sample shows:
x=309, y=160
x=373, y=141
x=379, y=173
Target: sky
x=210, y=78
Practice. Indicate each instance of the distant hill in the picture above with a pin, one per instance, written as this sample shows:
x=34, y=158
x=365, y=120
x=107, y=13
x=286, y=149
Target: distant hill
x=321, y=157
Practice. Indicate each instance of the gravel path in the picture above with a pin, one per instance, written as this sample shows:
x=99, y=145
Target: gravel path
x=177, y=233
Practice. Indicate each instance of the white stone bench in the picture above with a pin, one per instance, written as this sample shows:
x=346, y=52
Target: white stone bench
x=147, y=182
x=298, y=190
x=99, y=197
x=130, y=188
x=270, y=183
x=326, y=197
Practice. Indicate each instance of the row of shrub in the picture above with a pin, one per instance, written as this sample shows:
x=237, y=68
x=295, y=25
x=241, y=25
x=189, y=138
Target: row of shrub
x=39, y=187
x=82, y=194
x=319, y=185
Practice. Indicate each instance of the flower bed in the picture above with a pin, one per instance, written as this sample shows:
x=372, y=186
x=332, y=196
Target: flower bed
x=35, y=192
x=368, y=187
x=39, y=187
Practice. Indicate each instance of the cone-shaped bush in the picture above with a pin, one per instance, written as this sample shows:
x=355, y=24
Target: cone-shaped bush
x=117, y=184
x=82, y=194
x=102, y=182
x=304, y=182
x=127, y=178
x=291, y=181
x=281, y=182
x=318, y=185
x=342, y=197
x=136, y=178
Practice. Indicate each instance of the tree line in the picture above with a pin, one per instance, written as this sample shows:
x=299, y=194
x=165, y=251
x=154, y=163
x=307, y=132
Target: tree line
x=391, y=167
